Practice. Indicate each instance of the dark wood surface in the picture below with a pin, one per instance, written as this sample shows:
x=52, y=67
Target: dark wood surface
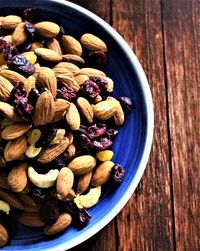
x=164, y=212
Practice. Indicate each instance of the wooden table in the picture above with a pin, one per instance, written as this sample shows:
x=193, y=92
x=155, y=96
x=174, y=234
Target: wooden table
x=164, y=212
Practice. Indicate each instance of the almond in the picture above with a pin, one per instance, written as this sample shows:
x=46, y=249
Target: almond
x=72, y=58
x=48, y=55
x=102, y=173
x=27, y=200
x=73, y=117
x=36, y=45
x=14, y=131
x=44, y=109
x=10, y=22
x=13, y=76
x=84, y=182
x=86, y=109
x=5, y=89
x=119, y=114
x=93, y=43
x=70, y=152
x=15, y=148
x=61, y=224
x=80, y=79
x=61, y=106
x=54, y=45
x=82, y=164
x=46, y=78
x=3, y=236
x=2, y=162
x=51, y=152
x=106, y=109
x=65, y=181
x=8, y=39
x=59, y=71
x=69, y=66
x=17, y=178
x=19, y=35
x=69, y=82
x=71, y=45
x=8, y=112
x=31, y=219
x=12, y=199
x=91, y=72
x=3, y=181
x=47, y=29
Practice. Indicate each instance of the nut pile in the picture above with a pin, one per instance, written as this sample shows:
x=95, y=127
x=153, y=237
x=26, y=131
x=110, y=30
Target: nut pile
x=58, y=122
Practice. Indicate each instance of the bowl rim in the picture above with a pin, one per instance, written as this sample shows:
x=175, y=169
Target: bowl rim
x=149, y=134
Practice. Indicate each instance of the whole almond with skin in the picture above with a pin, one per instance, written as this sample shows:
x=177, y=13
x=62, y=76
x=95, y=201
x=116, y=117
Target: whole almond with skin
x=106, y=109
x=13, y=76
x=47, y=29
x=70, y=152
x=46, y=78
x=14, y=131
x=8, y=112
x=31, y=219
x=3, y=181
x=84, y=182
x=12, y=199
x=36, y=45
x=48, y=55
x=63, y=221
x=82, y=164
x=80, y=79
x=69, y=82
x=86, y=109
x=69, y=66
x=61, y=105
x=93, y=43
x=17, y=178
x=15, y=148
x=59, y=71
x=73, y=117
x=71, y=45
x=19, y=35
x=119, y=115
x=50, y=153
x=72, y=58
x=91, y=72
x=65, y=181
x=3, y=236
x=10, y=22
x=44, y=109
x=102, y=173
x=27, y=200
x=54, y=45
x=5, y=89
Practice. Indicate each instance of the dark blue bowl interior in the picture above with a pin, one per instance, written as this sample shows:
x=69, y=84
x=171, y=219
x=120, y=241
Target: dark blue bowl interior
x=129, y=144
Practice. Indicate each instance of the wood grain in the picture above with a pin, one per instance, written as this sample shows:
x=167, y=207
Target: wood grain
x=182, y=32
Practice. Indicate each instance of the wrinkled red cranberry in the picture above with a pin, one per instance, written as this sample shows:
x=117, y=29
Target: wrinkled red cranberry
x=117, y=173
x=21, y=65
x=112, y=132
x=96, y=130
x=49, y=211
x=97, y=58
x=102, y=144
x=48, y=134
x=66, y=92
x=30, y=14
x=30, y=28
x=125, y=103
x=7, y=50
x=18, y=91
x=89, y=89
x=33, y=96
x=102, y=84
x=23, y=108
x=85, y=143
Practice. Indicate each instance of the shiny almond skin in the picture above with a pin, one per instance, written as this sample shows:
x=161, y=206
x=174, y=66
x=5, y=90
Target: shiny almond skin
x=31, y=219
x=71, y=45
x=84, y=182
x=82, y=164
x=61, y=224
x=17, y=178
x=8, y=112
x=74, y=69
x=119, y=114
x=102, y=173
x=93, y=43
x=106, y=109
x=3, y=236
x=48, y=55
x=15, y=148
x=51, y=152
x=10, y=22
x=13, y=76
x=54, y=45
x=65, y=181
x=15, y=131
x=72, y=58
x=12, y=199
x=19, y=35
x=73, y=117
x=86, y=109
x=69, y=82
x=46, y=78
x=47, y=29
x=5, y=89
x=44, y=109
x=91, y=72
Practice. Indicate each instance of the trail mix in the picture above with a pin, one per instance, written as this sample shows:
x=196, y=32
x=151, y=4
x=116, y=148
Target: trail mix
x=58, y=122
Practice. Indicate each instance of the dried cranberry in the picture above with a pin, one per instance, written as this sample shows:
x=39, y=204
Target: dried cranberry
x=7, y=50
x=85, y=143
x=97, y=58
x=49, y=211
x=18, y=91
x=117, y=173
x=66, y=92
x=89, y=89
x=23, y=108
x=48, y=134
x=30, y=28
x=102, y=84
x=102, y=144
x=125, y=103
x=33, y=96
x=96, y=130
x=30, y=14
x=39, y=193
x=59, y=163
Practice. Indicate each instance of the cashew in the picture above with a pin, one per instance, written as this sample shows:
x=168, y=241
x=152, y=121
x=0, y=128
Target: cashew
x=59, y=136
x=32, y=151
x=34, y=136
x=4, y=207
x=43, y=180
x=90, y=199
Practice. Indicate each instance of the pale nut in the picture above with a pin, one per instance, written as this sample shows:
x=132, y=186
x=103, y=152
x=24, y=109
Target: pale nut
x=29, y=84
x=8, y=39
x=30, y=56
x=63, y=221
x=48, y=55
x=10, y=22
x=104, y=155
x=106, y=109
x=34, y=136
x=4, y=207
x=93, y=43
x=32, y=151
x=17, y=178
x=82, y=164
x=90, y=199
x=43, y=180
x=110, y=84
x=3, y=236
x=102, y=173
x=47, y=29
x=64, y=181
x=59, y=137
x=15, y=131
x=19, y=35
x=71, y=45
x=86, y=109
x=84, y=182
x=31, y=219
x=5, y=89
x=73, y=117
x=12, y=199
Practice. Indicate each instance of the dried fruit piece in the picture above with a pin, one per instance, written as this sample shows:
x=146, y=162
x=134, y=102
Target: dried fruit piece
x=47, y=29
x=73, y=117
x=14, y=131
x=71, y=45
x=93, y=43
x=82, y=164
x=30, y=56
x=104, y=155
x=5, y=89
x=65, y=181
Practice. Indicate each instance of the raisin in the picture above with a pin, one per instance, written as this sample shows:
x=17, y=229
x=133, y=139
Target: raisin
x=126, y=103
x=97, y=58
x=117, y=173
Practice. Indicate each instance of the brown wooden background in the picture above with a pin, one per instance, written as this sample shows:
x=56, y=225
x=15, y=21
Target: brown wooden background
x=164, y=212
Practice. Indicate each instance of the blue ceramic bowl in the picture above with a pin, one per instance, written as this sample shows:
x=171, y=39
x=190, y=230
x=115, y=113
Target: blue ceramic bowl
x=133, y=143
